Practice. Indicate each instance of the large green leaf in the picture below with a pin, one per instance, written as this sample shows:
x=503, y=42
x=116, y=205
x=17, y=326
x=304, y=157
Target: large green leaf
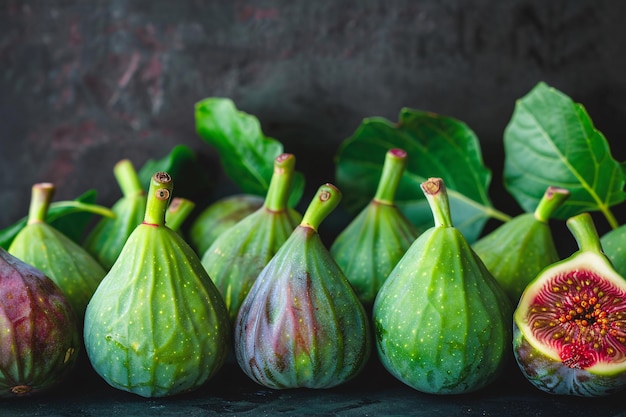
x=551, y=141
x=437, y=146
x=246, y=154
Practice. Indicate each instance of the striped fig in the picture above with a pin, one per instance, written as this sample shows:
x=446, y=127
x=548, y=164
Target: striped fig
x=236, y=257
x=108, y=236
x=441, y=321
x=40, y=339
x=157, y=326
x=375, y=240
x=65, y=262
x=301, y=324
x=569, y=333
x=519, y=249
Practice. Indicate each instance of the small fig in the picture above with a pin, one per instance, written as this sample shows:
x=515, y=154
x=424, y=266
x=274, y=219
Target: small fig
x=375, y=240
x=301, y=324
x=65, y=262
x=219, y=216
x=569, y=332
x=108, y=236
x=236, y=257
x=441, y=321
x=40, y=339
x=156, y=326
x=519, y=249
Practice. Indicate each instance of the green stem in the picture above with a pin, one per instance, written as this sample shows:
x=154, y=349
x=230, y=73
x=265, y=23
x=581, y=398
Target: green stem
x=177, y=212
x=80, y=207
x=610, y=217
x=585, y=232
x=552, y=199
x=327, y=198
x=393, y=168
x=127, y=178
x=435, y=191
x=159, y=194
x=41, y=195
x=280, y=185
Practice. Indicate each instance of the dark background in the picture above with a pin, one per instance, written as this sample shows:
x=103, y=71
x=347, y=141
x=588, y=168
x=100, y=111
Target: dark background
x=86, y=83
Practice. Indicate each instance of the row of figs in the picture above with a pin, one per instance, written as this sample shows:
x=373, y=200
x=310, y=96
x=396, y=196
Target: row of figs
x=157, y=315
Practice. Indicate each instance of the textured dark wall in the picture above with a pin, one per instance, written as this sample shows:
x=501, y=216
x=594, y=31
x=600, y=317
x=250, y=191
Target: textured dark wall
x=86, y=83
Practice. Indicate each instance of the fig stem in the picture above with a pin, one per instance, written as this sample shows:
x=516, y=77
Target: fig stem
x=280, y=185
x=327, y=198
x=585, y=233
x=437, y=196
x=177, y=212
x=127, y=178
x=159, y=194
x=552, y=199
x=41, y=196
x=393, y=168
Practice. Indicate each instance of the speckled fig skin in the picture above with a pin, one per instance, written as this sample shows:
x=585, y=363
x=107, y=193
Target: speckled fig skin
x=65, y=262
x=441, y=321
x=157, y=326
x=614, y=246
x=375, y=240
x=40, y=339
x=570, y=323
x=301, y=324
x=236, y=257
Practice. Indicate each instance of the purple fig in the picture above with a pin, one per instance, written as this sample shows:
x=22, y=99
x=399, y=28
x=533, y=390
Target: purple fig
x=40, y=339
x=301, y=324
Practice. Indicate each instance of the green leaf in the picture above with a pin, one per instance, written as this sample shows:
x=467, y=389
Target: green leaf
x=437, y=146
x=191, y=179
x=70, y=217
x=551, y=141
x=246, y=154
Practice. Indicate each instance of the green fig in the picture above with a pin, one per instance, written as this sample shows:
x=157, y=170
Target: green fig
x=375, y=240
x=157, y=326
x=441, y=321
x=108, y=236
x=236, y=257
x=614, y=245
x=519, y=249
x=40, y=339
x=569, y=330
x=65, y=262
x=219, y=216
x=177, y=212
x=301, y=324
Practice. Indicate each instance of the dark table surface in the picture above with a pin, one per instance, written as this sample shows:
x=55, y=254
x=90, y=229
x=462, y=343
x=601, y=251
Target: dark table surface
x=374, y=392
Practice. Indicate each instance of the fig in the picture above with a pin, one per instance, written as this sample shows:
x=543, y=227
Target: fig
x=219, y=216
x=178, y=212
x=157, y=325
x=613, y=244
x=301, y=324
x=61, y=259
x=441, y=321
x=519, y=249
x=569, y=330
x=236, y=257
x=40, y=339
x=375, y=240
x=106, y=239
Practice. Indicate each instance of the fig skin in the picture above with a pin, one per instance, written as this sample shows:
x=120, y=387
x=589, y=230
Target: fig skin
x=614, y=246
x=236, y=257
x=65, y=262
x=40, y=341
x=441, y=321
x=579, y=305
x=107, y=238
x=157, y=326
x=374, y=241
x=519, y=249
x=301, y=324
